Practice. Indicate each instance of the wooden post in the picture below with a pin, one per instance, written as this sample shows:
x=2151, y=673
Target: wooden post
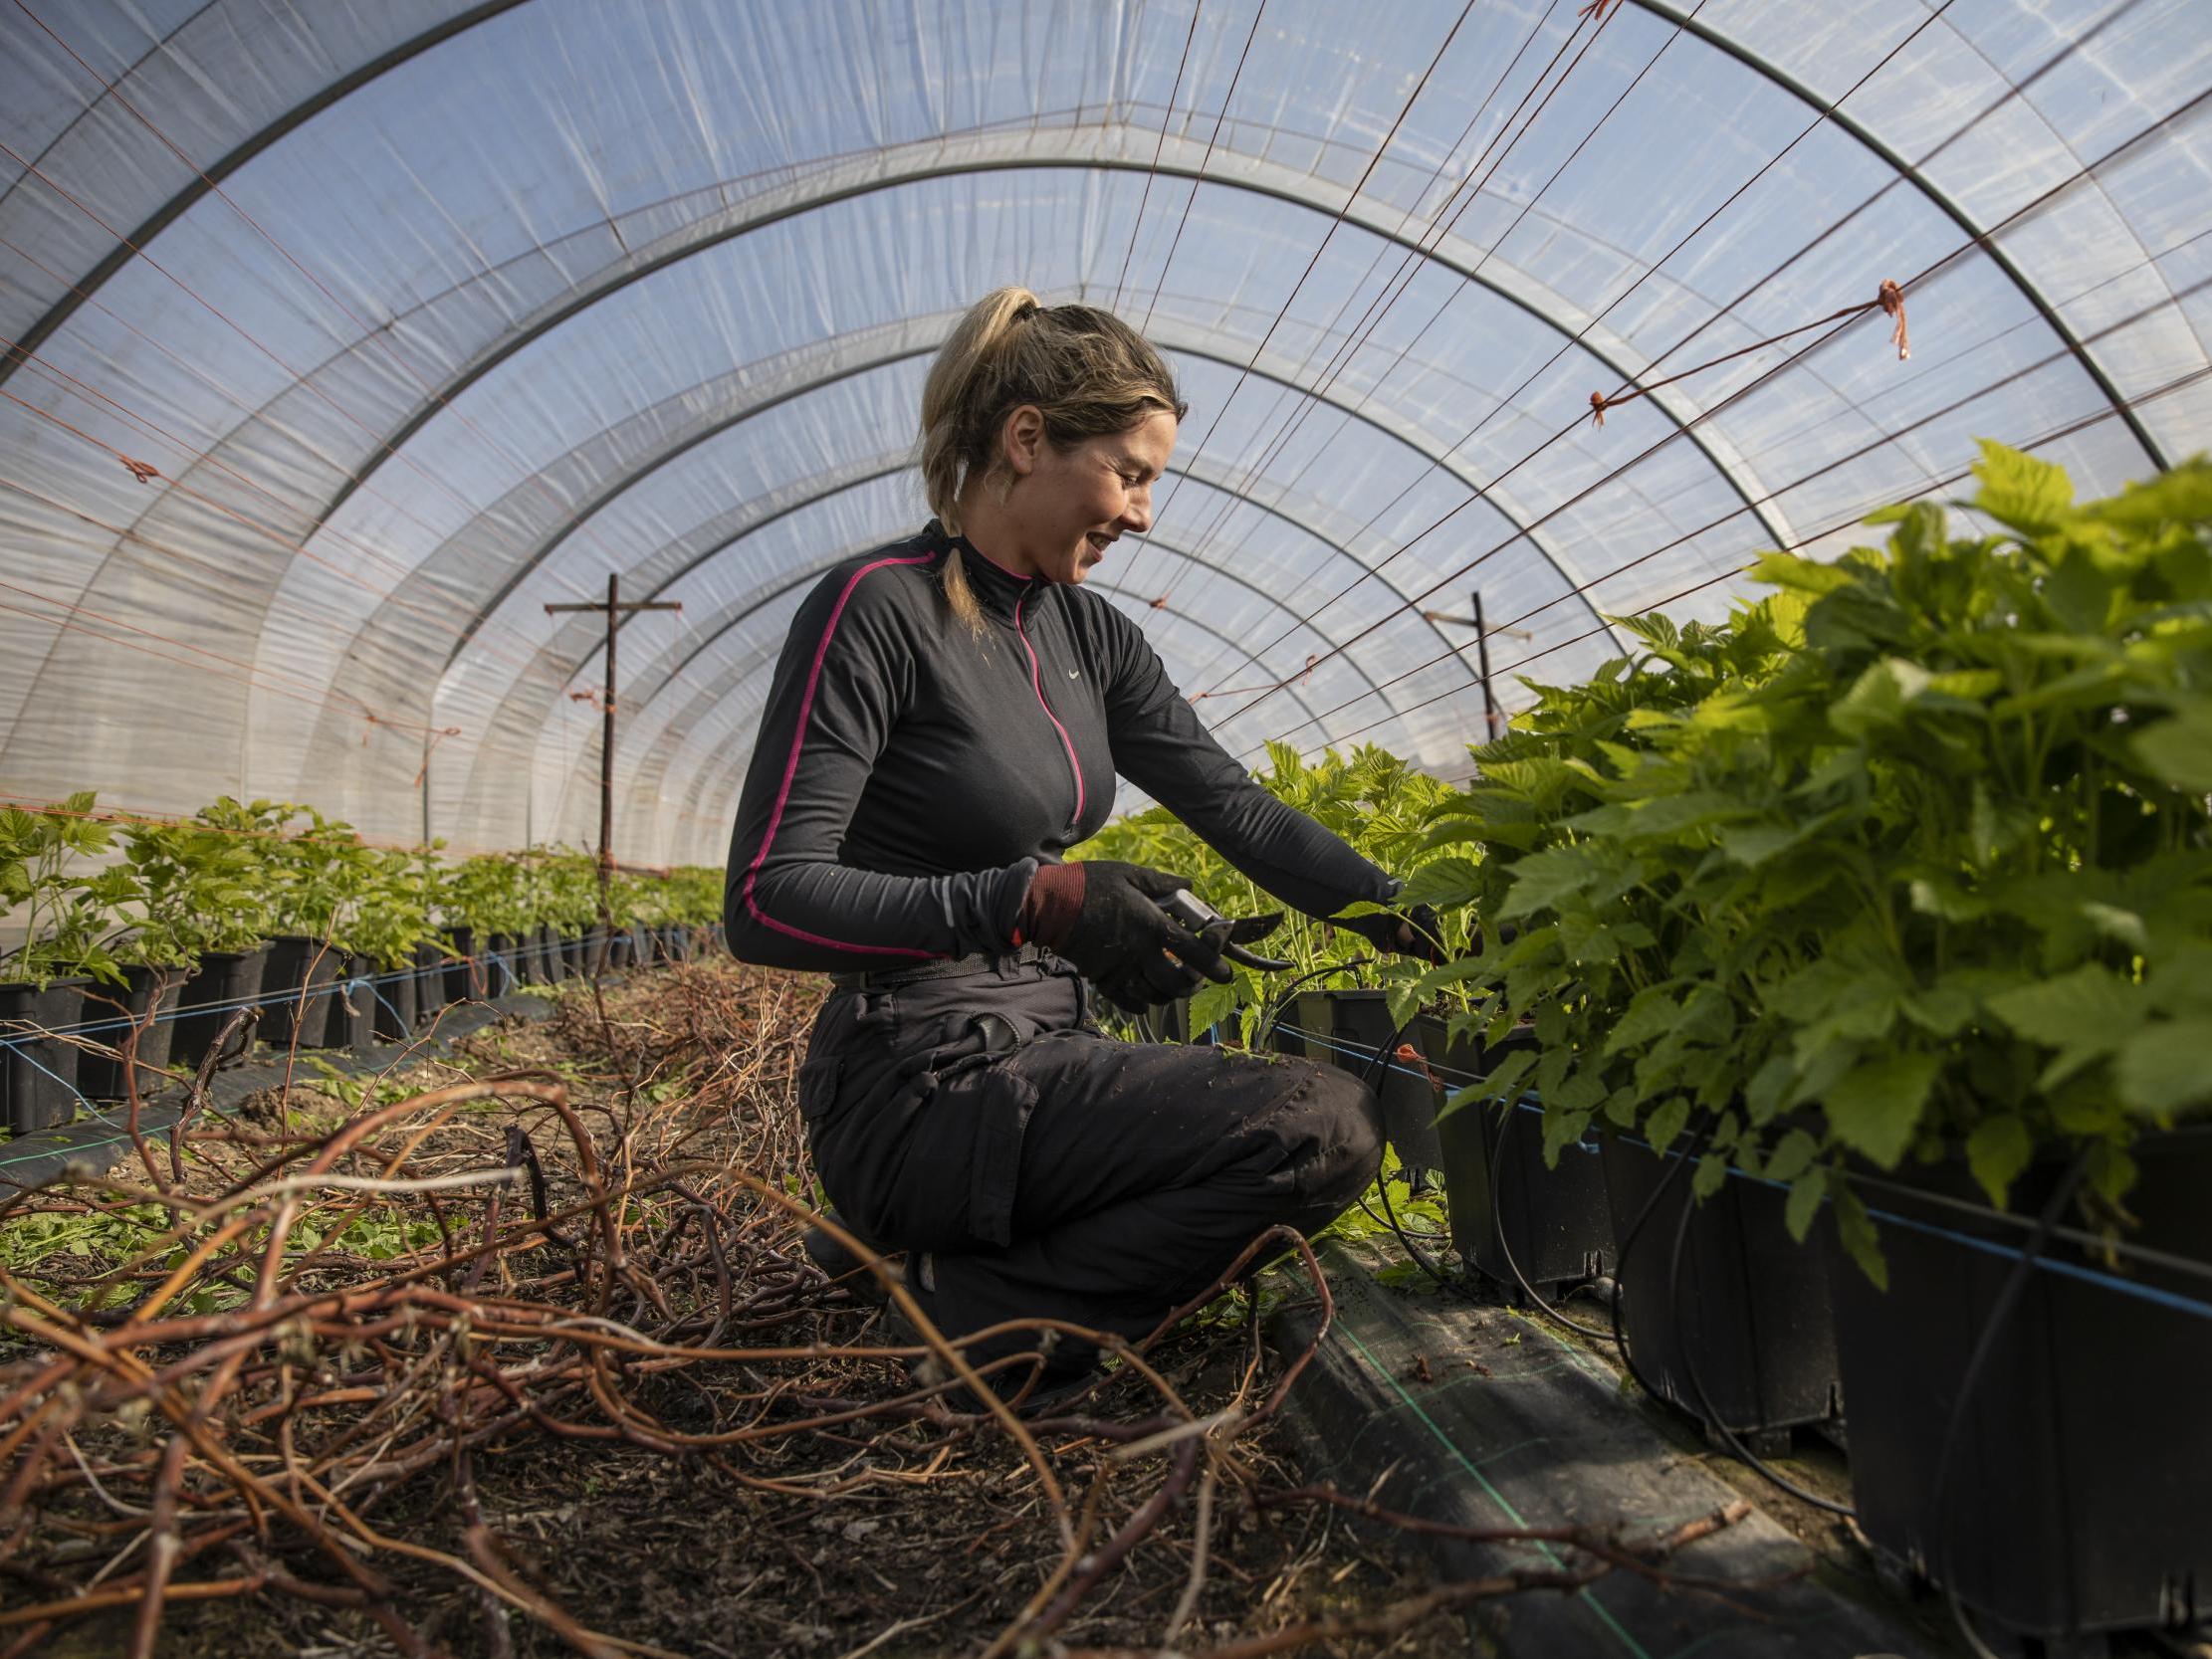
x=614, y=610
x=1493, y=728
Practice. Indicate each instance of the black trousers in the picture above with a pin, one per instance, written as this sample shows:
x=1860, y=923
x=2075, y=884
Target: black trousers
x=1054, y=1171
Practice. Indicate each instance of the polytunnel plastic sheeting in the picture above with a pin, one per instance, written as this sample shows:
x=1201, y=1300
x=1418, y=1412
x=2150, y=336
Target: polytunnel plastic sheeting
x=426, y=315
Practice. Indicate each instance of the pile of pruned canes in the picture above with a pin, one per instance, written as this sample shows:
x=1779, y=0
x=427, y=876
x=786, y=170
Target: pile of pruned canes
x=220, y=1412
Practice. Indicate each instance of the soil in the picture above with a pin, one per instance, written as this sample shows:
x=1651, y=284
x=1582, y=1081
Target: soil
x=890, y=1535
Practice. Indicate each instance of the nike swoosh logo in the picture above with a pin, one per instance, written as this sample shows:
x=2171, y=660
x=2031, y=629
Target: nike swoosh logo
x=1075, y=674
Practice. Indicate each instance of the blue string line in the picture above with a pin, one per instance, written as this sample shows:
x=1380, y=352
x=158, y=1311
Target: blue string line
x=1528, y=1102
x=226, y=1006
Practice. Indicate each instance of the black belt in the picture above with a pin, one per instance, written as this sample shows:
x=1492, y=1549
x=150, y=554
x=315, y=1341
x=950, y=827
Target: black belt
x=950, y=967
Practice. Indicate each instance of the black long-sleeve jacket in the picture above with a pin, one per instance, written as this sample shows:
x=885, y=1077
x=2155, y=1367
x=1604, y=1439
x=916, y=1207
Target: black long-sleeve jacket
x=909, y=777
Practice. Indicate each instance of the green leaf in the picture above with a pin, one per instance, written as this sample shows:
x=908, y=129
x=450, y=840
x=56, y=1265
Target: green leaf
x=1768, y=1086
x=1996, y=1153
x=1805, y=575
x=1712, y=1176
x=1793, y=1156
x=1876, y=1107
x=1561, y=1130
x=1651, y=1013
x=1806, y=1193
x=1856, y=1229
x=1542, y=879
x=2021, y=492
x=1212, y=1004
x=2084, y=1014
x=1752, y=845
x=1667, y=1122
x=2179, y=748
x=2167, y=1066
x=1879, y=697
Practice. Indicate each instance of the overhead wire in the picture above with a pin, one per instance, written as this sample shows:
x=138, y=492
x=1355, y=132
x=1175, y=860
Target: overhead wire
x=1227, y=98
x=2082, y=423
x=1167, y=119
x=145, y=473
x=1475, y=174
x=1336, y=223
x=364, y=329
x=1836, y=326
x=1401, y=280
x=1581, y=334
x=2012, y=91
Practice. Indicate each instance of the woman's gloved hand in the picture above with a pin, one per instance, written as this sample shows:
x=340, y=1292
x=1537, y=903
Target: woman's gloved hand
x=1411, y=931
x=1105, y=918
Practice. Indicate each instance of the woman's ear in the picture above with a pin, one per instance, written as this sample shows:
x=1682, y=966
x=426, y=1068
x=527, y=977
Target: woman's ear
x=1023, y=437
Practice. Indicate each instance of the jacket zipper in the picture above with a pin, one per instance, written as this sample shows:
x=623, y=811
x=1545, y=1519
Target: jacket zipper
x=1037, y=683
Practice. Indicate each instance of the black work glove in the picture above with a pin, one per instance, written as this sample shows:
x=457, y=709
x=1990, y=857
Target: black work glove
x=1411, y=931
x=1105, y=918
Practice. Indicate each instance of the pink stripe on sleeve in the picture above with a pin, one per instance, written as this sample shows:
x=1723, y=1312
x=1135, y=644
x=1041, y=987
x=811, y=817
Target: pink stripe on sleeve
x=791, y=770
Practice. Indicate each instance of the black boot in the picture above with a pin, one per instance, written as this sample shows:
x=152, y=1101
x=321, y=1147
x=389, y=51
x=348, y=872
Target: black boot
x=847, y=1271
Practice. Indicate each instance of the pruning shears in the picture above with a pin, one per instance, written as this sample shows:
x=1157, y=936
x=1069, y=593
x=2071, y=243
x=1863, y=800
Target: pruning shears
x=1190, y=911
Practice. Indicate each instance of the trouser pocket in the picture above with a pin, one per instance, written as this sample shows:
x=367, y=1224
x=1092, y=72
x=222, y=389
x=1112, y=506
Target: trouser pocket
x=935, y=1164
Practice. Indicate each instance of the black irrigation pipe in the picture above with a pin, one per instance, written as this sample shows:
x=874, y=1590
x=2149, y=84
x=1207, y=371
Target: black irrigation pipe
x=1620, y=1250
x=1510, y=1115
x=1370, y=1075
x=1985, y=1344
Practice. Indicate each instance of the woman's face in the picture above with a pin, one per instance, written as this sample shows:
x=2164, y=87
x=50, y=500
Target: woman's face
x=1068, y=507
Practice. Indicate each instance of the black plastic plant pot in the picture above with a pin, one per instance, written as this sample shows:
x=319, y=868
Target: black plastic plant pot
x=550, y=962
x=107, y=1016
x=501, y=971
x=1346, y=1028
x=296, y=989
x=37, y=1072
x=1744, y=1323
x=575, y=949
x=394, y=1017
x=2078, y=1500
x=352, y=1007
x=467, y=974
x=225, y=981
x=1555, y=1222
x=430, y=991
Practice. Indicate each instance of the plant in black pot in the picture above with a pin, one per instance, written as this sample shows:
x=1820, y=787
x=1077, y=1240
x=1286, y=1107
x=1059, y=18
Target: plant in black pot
x=203, y=894
x=1530, y=1190
x=390, y=923
x=318, y=870
x=2000, y=1039
x=1911, y=927
x=68, y=913
x=572, y=882
x=481, y=905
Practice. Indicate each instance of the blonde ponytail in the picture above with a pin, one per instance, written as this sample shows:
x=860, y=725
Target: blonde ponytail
x=1088, y=371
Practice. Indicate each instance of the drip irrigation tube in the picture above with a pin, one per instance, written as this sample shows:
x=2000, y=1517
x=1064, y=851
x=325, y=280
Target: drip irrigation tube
x=1744, y=1454
x=1508, y=1115
x=1985, y=1344
x=1368, y=1073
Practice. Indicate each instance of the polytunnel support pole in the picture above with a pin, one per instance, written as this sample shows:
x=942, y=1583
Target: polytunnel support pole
x=614, y=610
x=1490, y=733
